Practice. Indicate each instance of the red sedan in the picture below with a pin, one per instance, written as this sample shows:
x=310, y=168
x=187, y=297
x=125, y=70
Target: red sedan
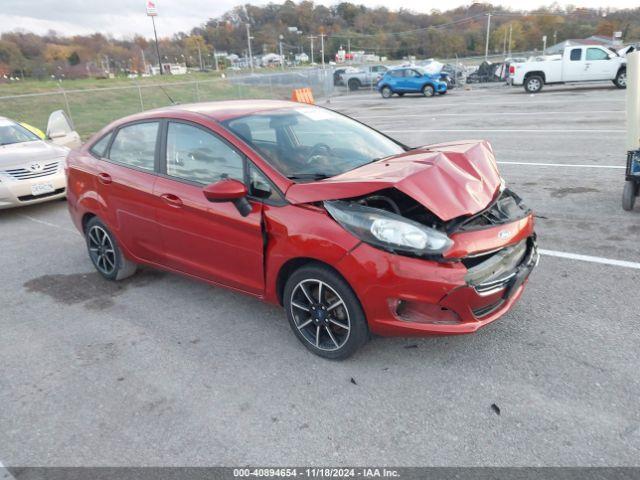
x=351, y=231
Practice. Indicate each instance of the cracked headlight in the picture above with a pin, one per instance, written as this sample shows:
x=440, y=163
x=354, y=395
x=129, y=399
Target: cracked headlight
x=388, y=230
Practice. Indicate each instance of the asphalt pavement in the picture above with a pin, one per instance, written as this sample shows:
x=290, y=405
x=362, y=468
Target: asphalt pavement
x=163, y=370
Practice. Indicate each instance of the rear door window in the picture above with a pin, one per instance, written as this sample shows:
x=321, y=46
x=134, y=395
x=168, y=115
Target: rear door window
x=100, y=147
x=576, y=54
x=135, y=145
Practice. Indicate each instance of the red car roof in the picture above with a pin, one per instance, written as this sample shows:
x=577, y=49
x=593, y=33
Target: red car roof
x=226, y=109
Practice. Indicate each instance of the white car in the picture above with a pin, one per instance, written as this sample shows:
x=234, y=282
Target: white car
x=32, y=169
x=579, y=63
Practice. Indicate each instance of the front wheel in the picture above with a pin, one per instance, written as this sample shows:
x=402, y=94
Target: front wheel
x=324, y=313
x=353, y=84
x=104, y=252
x=428, y=91
x=629, y=195
x=533, y=84
x=386, y=92
x=621, y=79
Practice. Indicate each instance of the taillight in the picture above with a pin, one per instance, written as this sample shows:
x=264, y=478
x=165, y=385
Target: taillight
x=512, y=69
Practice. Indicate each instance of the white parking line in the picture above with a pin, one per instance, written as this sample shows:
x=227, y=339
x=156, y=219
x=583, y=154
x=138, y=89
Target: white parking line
x=562, y=165
x=48, y=224
x=4, y=473
x=591, y=259
x=481, y=130
x=492, y=103
x=484, y=114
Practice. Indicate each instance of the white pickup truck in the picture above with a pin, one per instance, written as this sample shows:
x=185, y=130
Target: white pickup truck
x=584, y=63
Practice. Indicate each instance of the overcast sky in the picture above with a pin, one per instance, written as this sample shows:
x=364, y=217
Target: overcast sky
x=123, y=18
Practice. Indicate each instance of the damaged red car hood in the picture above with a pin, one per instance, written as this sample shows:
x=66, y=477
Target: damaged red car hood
x=449, y=179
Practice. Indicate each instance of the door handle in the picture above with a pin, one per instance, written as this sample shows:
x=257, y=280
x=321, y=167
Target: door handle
x=104, y=178
x=171, y=200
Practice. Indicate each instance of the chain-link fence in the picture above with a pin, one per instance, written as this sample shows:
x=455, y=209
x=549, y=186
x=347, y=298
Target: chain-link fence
x=91, y=109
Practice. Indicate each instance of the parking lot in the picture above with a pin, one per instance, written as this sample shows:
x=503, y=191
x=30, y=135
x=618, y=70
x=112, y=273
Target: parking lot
x=164, y=370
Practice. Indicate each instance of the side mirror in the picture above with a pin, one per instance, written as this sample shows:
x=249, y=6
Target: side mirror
x=229, y=190
x=57, y=134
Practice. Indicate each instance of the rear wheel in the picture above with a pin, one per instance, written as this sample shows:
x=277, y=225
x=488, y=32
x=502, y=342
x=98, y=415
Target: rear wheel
x=629, y=195
x=354, y=84
x=104, y=252
x=428, y=91
x=533, y=84
x=324, y=313
x=621, y=79
x=386, y=92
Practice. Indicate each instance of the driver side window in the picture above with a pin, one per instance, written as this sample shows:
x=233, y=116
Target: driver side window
x=199, y=156
x=597, y=54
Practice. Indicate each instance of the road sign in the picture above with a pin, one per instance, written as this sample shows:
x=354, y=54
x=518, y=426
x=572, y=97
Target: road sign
x=152, y=10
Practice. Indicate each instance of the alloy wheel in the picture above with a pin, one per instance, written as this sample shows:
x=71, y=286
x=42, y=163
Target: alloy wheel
x=533, y=85
x=101, y=250
x=622, y=80
x=320, y=315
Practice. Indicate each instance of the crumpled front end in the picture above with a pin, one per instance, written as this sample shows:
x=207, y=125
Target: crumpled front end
x=476, y=281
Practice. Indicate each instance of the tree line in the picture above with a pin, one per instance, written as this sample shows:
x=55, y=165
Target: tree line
x=289, y=25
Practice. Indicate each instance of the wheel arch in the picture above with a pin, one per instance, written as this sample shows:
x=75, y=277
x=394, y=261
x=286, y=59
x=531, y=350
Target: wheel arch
x=85, y=219
x=538, y=73
x=293, y=264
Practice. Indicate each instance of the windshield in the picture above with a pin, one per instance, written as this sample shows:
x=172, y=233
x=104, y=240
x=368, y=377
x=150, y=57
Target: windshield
x=11, y=132
x=310, y=143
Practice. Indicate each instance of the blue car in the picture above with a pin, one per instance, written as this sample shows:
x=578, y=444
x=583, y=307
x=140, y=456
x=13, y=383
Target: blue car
x=410, y=80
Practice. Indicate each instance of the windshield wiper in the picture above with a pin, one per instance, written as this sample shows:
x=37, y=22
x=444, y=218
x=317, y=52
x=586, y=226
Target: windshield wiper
x=308, y=176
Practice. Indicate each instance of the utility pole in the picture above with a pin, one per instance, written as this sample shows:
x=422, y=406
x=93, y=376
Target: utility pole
x=249, y=45
x=510, y=32
x=144, y=61
x=544, y=45
x=504, y=45
x=215, y=58
x=312, y=38
x=349, y=45
x=322, y=35
x=200, y=56
x=486, y=46
x=281, y=56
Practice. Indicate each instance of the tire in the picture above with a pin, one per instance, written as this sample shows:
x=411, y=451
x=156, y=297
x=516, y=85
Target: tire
x=354, y=84
x=629, y=195
x=386, y=92
x=533, y=84
x=428, y=91
x=104, y=252
x=621, y=79
x=333, y=325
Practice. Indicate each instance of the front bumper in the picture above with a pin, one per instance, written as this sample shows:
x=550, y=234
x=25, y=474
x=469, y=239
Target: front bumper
x=404, y=296
x=441, y=87
x=15, y=193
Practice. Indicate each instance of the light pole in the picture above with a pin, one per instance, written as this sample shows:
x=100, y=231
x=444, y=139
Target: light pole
x=312, y=38
x=281, y=56
x=486, y=45
x=249, y=37
x=322, y=35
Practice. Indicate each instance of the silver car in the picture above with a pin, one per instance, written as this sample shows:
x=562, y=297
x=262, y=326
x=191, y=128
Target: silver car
x=32, y=169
